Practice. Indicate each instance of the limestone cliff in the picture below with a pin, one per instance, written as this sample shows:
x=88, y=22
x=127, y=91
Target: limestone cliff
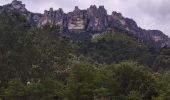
x=94, y=19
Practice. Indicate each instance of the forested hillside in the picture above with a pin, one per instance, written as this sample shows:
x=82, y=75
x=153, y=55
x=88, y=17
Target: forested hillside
x=45, y=64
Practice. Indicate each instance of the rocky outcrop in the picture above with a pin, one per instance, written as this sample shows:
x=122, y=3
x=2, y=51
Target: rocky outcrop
x=17, y=6
x=14, y=5
x=93, y=20
x=97, y=18
x=77, y=20
x=52, y=17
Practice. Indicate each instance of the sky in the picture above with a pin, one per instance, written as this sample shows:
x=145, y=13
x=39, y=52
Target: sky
x=149, y=14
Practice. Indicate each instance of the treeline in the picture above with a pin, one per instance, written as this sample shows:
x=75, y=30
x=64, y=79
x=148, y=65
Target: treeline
x=43, y=64
x=124, y=81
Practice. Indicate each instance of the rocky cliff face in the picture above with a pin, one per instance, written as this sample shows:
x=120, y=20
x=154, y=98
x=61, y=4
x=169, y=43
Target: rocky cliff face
x=93, y=19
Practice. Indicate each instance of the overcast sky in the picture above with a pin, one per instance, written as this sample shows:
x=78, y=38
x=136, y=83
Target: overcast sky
x=149, y=14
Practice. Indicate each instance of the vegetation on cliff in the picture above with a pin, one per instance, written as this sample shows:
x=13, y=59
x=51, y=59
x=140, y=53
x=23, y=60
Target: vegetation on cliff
x=43, y=64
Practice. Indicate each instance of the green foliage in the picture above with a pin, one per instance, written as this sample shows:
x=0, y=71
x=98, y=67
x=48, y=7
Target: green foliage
x=132, y=77
x=124, y=80
x=46, y=90
x=162, y=61
x=44, y=64
x=115, y=47
x=133, y=95
x=164, y=87
x=81, y=82
x=52, y=51
x=15, y=90
x=16, y=53
x=30, y=54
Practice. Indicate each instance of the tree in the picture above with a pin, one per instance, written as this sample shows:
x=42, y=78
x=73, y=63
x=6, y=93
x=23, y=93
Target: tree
x=164, y=87
x=133, y=77
x=15, y=90
x=52, y=52
x=162, y=61
x=17, y=52
x=46, y=90
x=81, y=80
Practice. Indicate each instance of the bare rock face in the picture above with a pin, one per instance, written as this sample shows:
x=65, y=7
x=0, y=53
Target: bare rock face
x=77, y=20
x=118, y=17
x=14, y=6
x=52, y=17
x=116, y=20
x=18, y=6
x=95, y=20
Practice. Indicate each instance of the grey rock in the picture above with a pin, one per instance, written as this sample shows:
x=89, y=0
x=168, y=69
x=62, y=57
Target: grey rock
x=18, y=6
x=52, y=17
x=97, y=18
x=93, y=20
x=77, y=20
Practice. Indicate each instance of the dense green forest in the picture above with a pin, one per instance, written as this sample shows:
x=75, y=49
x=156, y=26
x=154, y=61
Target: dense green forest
x=44, y=64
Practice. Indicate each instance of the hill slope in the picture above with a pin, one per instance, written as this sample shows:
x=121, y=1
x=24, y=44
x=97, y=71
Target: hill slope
x=47, y=64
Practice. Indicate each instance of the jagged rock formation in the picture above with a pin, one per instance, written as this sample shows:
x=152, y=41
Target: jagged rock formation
x=97, y=18
x=76, y=20
x=93, y=19
x=15, y=5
